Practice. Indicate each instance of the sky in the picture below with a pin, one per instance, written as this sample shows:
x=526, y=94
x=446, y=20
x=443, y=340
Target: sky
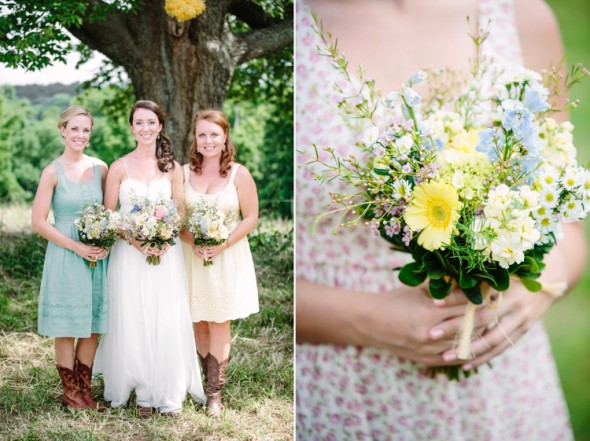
x=65, y=73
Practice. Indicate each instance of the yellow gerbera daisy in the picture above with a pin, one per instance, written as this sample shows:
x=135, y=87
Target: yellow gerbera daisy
x=434, y=210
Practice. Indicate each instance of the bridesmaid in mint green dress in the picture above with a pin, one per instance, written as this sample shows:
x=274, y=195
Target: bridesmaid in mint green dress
x=72, y=299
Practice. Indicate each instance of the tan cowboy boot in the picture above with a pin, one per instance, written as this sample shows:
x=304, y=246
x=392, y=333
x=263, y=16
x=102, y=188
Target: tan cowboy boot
x=85, y=377
x=72, y=397
x=215, y=381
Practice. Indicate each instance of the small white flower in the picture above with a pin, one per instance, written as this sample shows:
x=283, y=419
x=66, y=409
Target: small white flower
x=549, y=196
x=370, y=136
x=572, y=178
x=392, y=99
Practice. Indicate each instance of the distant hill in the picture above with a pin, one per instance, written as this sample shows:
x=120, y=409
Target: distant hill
x=41, y=93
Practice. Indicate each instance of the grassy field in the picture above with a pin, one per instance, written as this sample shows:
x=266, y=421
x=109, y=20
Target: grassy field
x=258, y=393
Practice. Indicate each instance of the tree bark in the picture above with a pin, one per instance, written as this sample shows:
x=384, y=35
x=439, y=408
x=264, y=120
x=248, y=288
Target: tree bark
x=186, y=66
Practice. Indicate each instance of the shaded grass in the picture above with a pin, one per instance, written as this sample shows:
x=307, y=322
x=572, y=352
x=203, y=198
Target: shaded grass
x=259, y=388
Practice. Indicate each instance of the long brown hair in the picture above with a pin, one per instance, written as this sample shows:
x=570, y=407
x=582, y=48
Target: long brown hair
x=228, y=155
x=164, y=152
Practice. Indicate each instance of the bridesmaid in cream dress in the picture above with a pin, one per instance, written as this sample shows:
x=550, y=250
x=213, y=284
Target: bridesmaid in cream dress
x=227, y=289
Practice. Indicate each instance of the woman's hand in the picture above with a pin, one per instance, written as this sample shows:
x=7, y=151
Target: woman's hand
x=515, y=315
x=148, y=250
x=89, y=252
x=405, y=321
x=424, y=329
x=209, y=252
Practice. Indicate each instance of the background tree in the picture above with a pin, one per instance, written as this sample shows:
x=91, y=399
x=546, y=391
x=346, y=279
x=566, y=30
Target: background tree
x=184, y=66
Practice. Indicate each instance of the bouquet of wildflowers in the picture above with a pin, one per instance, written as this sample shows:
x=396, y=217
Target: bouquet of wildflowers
x=98, y=227
x=473, y=181
x=154, y=223
x=209, y=225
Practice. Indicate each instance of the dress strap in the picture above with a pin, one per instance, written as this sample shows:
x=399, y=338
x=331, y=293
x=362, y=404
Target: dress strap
x=187, y=170
x=126, y=169
x=234, y=170
x=58, y=167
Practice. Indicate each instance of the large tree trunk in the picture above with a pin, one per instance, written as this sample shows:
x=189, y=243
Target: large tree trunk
x=187, y=66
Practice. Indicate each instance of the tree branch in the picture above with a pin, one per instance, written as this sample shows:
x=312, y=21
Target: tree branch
x=111, y=36
x=261, y=42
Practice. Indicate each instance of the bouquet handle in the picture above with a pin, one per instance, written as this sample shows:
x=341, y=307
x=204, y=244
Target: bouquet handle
x=466, y=331
x=463, y=351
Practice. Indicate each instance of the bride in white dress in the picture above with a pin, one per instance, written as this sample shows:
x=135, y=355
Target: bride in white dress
x=150, y=347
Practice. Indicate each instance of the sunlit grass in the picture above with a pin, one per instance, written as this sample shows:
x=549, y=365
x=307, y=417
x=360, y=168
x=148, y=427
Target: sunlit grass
x=258, y=392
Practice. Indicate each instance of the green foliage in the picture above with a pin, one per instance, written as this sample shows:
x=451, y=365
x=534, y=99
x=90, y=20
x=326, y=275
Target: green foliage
x=11, y=120
x=263, y=135
x=32, y=33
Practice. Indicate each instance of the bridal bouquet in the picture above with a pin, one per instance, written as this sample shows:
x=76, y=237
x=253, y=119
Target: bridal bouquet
x=98, y=227
x=209, y=225
x=473, y=179
x=154, y=223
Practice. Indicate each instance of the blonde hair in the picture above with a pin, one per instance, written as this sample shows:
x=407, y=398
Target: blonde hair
x=71, y=112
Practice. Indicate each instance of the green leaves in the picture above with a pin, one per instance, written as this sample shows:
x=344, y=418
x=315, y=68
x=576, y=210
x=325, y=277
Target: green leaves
x=411, y=274
x=441, y=267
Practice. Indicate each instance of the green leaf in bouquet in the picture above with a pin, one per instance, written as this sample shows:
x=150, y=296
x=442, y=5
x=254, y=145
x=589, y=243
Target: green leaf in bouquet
x=436, y=271
x=439, y=288
x=474, y=294
x=412, y=275
x=530, y=284
x=500, y=280
x=467, y=280
x=381, y=171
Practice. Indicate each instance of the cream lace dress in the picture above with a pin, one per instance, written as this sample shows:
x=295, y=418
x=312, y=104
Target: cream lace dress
x=227, y=289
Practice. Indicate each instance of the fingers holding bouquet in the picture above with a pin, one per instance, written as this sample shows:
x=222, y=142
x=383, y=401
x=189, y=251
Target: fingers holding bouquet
x=514, y=316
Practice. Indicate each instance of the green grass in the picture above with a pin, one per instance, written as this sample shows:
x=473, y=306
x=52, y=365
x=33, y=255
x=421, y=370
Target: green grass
x=258, y=392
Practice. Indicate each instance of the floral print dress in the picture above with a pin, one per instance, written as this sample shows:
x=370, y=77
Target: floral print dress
x=348, y=392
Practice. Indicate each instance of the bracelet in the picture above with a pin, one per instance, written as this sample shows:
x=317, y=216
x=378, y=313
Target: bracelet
x=226, y=243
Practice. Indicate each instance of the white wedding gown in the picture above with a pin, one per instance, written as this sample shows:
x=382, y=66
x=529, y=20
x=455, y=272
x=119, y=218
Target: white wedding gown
x=150, y=346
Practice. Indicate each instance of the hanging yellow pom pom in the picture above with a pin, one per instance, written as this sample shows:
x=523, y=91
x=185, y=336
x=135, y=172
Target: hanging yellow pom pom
x=184, y=10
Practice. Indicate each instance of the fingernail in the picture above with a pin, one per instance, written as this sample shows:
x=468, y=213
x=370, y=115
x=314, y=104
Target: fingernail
x=436, y=333
x=449, y=356
x=467, y=367
x=438, y=302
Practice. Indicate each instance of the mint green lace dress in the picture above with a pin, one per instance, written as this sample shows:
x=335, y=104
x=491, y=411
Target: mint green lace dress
x=73, y=297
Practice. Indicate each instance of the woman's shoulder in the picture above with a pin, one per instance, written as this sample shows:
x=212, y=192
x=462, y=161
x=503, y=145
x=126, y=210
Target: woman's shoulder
x=97, y=161
x=539, y=32
x=242, y=173
x=50, y=170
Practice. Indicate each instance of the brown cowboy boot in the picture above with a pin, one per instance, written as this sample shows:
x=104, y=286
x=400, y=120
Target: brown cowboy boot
x=203, y=362
x=215, y=381
x=72, y=397
x=85, y=377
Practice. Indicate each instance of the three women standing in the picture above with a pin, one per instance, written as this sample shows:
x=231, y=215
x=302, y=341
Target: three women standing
x=227, y=289
x=72, y=299
x=149, y=348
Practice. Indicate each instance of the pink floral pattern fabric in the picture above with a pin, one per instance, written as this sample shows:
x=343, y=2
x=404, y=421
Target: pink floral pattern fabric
x=368, y=394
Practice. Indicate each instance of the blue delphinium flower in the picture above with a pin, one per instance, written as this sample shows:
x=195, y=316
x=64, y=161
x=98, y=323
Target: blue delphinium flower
x=535, y=99
x=489, y=140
